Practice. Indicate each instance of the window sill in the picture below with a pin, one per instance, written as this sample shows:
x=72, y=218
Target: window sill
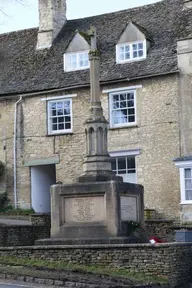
x=189, y=202
x=132, y=60
x=76, y=69
x=124, y=127
x=59, y=134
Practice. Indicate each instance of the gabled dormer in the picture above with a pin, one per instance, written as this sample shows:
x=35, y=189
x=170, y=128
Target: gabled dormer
x=133, y=44
x=76, y=56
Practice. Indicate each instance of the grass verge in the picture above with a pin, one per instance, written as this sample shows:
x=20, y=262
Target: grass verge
x=59, y=266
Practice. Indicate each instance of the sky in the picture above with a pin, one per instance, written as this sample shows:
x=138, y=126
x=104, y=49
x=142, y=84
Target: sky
x=22, y=14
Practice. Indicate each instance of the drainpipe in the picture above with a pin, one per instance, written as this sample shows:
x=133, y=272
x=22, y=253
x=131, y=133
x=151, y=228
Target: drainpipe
x=15, y=152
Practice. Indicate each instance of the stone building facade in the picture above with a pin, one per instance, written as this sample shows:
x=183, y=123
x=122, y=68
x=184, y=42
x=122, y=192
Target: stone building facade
x=142, y=151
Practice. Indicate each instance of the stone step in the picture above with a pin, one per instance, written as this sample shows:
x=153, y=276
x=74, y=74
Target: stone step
x=87, y=241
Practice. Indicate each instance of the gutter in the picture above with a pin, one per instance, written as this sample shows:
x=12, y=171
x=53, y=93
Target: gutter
x=43, y=92
x=15, y=152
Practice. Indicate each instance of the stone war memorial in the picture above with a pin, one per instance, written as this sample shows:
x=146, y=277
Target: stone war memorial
x=99, y=205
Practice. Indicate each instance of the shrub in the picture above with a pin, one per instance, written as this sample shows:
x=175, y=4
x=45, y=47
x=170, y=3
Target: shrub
x=2, y=168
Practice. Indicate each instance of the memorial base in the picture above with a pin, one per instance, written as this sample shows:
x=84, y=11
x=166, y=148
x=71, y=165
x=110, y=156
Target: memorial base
x=95, y=210
x=92, y=241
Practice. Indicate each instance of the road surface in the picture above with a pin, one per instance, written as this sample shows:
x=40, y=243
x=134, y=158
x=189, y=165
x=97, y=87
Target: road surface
x=15, y=284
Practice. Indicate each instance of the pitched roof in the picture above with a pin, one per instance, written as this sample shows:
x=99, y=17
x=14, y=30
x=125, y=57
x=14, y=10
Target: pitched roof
x=24, y=69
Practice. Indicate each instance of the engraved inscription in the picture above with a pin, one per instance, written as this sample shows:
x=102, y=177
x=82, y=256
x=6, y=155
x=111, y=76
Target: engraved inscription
x=129, y=208
x=84, y=209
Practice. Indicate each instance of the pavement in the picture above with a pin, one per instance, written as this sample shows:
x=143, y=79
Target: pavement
x=16, y=284
x=9, y=221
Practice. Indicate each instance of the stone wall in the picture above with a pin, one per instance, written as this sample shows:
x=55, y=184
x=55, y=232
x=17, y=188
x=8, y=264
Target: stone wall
x=173, y=260
x=156, y=135
x=163, y=229
x=15, y=235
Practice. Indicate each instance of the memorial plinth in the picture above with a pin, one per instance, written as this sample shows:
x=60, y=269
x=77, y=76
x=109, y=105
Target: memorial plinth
x=95, y=210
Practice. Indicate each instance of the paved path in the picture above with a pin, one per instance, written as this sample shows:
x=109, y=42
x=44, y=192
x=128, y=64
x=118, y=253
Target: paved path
x=15, y=284
x=14, y=222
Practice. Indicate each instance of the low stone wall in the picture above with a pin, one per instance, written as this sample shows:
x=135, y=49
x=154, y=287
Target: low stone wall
x=172, y=260
x=163, y=229
x=25, y=235
x=41, y=219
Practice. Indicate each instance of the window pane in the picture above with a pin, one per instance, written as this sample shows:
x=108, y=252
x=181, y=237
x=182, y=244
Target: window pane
x=188, y=173
x=61, y=119
x=127, y=48
x=130, y=103
x=59, y=105
x=135, y=54
x=131, y=118
x=140, y=46
x=53, y=113
x=140, y=53
x=131, y=162
x=188, y=184
x=121, y=49
x=61, y=126
x=115, y=105
x=116, y=98
x=188, y=194
x=124, y=112
x=123, y=104
x=131, y=111
x=127, y=55
x=54, y=120
x=134, y=47
x=67, y=119
x=121, y=163
x=113, y=164
x=73, y=57
x=60, y=112
x=130, y=96
x=67, y=125
x=54, y=127
x=123, y=97
x=52, y=105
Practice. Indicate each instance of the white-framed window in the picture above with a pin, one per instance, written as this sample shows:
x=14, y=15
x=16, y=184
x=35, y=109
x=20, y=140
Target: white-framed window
x=130, y=51
x=76, y=61
x=125, y=166
x=59, y=116
x=188, y=184
x=122, y=108
x=185, y=169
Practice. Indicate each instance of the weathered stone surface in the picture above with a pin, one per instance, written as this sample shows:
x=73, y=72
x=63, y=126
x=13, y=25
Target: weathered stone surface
x=93, y=210
x=161, y=259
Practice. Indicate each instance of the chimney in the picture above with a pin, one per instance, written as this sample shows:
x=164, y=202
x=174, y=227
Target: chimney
x=187, y=3
x=52, y=17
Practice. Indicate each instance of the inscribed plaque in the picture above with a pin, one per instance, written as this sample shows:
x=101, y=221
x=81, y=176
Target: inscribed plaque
x=84, y=209
x=129, y=208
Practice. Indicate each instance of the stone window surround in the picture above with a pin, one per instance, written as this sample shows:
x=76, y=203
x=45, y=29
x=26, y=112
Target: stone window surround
x=118, y=91
x=59, y=99
x=126, y=153
x=182, y=165
x=131, y=59
x=78, y=67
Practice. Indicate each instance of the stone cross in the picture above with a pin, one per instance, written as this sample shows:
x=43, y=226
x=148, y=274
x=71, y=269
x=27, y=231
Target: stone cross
x=94, y=67
x=93, y=35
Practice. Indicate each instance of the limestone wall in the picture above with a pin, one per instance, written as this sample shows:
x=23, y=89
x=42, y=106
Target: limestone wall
x=160, y=259
x=156, y=135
